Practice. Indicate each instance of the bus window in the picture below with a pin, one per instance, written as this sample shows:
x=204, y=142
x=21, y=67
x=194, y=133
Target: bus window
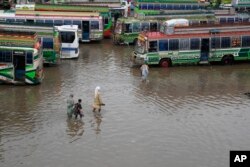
x=163, y=6
x=176, y=7
x=20, y=20
x=150, y=6
x=144, y=6
x=157, y=7
x=153, y=26
x=10, y=20
x=77, y=22
x=67, y=22
x=182, y=7
x=94, y=25
x=128, y=28
x=49, y=22
x=188, y=7
x=40, y=21
x=245, y=41
x=223, y=20
x=58, y=22
x=225, y=42
x=184, y=44
x=163, y=45
x=144, y=26
x=169, y=6
x=152, y=46
x=29, y=58
x=215, y=42
x=174, y=44
x=30, y=21
x=194, y=43
x=5, y=56
x=230, y=19
x=136, y=27
x=67, y=37
x=236, y=41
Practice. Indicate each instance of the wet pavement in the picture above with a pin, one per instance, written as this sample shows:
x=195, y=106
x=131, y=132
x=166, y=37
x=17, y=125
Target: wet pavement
x=181, y=117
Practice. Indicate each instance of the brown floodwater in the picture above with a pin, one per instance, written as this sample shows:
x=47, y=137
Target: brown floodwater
x=181, y=117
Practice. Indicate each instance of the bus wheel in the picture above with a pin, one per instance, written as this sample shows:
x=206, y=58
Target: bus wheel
x=227, y=60
x=165, y=63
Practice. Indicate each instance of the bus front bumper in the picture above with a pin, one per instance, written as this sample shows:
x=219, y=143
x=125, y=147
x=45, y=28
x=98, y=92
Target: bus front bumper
x=137, y=59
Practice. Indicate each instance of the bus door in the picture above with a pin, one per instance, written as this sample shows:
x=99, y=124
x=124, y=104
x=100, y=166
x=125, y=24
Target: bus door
x=85, y=31
x=204, y=50
x=19, y=65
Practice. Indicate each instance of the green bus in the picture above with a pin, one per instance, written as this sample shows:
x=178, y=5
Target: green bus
x=21, y=60
x=127, y=29
x=48, y=37
x=194, y=45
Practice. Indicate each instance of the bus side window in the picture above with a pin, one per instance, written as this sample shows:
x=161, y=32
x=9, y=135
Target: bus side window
x=49, y=22
x=245, y=41
x=128, y=28
x=173, y=44
x=29, y=58
x=215, y=42
x=194, y=43
x=152, y=46
x=225, y=42
x=136, y=27
x=163, y=45
x=77, y=22
x=144, y=26
x=5, y=56
x=94, y=25
x=153, y=26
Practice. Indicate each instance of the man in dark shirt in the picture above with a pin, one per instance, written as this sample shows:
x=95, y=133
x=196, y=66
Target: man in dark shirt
x=78, y=109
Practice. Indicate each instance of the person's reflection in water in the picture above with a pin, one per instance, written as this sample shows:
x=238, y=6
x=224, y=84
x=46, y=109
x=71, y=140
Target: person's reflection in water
x=96, y=122
x=75, y=128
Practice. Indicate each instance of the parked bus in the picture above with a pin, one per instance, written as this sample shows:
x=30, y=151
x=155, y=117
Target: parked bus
x=49, y=38
x=194, y=45
x=103, y=10
x=128, y=29
x=90, y=24
x=21, y=60
x=154, y=7
x=69, y=41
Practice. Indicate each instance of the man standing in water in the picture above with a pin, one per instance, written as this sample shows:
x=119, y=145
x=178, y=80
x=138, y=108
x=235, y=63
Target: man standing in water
x=70, y=105
x=97, y=100
x=144, y=71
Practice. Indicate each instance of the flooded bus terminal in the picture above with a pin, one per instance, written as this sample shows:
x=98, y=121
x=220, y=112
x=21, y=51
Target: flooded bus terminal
x=183, y=116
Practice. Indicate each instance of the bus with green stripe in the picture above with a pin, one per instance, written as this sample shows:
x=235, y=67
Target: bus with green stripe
x=48, y=36
x=127, y=29
x=21, y=60
x=225, y=43
x=103, y=10
x=155, y=7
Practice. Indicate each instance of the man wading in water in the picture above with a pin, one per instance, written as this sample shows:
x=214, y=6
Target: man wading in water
x=97, y=100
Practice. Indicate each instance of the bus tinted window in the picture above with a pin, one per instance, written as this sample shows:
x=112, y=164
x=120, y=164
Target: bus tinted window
x=245, y=41
x=29, y=58
x=50, y=22
x=94, y=25
x=144, y=26
x=58, y=22
x=152, y=46
x=106, y=20
x=136, y=27
x=128, y=28
x=169, y=6
x=163, y=45
x=40, y=21
x=48, y=43
x=163, y=6
x=77, y=22
x=194, y=43
x=67, y=37
x=184, y=44
x=144, y=6
x=5, y=56
x=225, y=42
x=174, y=44
x=157, y=7
x=215, y=42
x=67, y=22
x=150, y=6
x=153, y=26
x=20, y=20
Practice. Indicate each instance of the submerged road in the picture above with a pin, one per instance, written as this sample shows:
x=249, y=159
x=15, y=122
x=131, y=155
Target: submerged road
x=182, y=117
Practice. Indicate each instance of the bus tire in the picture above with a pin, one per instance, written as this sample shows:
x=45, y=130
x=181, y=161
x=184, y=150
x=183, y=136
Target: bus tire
x=165, y=63
x=227, y=60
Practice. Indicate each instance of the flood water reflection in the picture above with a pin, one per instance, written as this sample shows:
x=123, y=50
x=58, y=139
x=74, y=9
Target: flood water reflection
x=181, y=117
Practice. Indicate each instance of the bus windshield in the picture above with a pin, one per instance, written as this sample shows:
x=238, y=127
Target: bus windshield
x=140, y=46
x=67, y=37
